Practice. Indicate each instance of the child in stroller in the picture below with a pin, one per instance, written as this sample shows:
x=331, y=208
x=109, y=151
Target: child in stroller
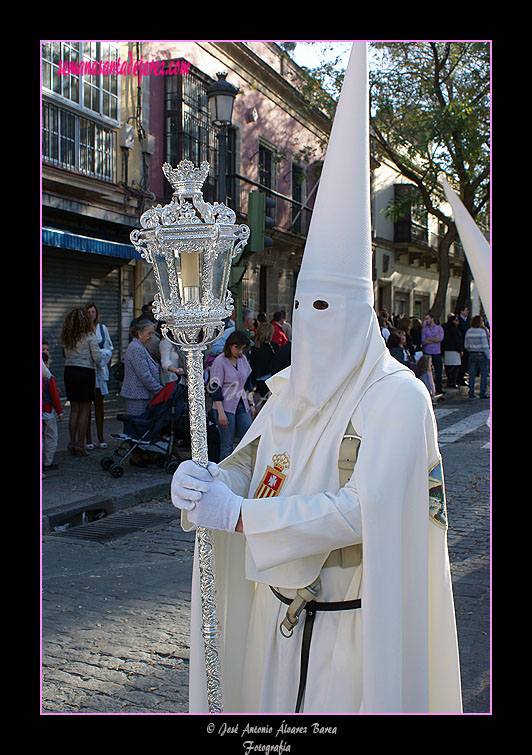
x=156, y=431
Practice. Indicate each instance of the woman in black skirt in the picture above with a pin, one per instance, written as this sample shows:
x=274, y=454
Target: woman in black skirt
x=261, y=358
x=82, y=355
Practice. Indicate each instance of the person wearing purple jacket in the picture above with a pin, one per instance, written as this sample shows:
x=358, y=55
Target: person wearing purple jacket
x=230, y=379
x=431, y=338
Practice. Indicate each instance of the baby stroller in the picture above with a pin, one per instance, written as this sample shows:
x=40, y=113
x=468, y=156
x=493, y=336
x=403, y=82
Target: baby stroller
x=154, y=431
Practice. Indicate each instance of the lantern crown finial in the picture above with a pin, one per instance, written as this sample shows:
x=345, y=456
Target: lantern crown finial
x=186, y=179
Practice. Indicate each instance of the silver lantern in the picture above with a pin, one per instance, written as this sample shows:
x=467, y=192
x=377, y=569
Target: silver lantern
x=190, y=244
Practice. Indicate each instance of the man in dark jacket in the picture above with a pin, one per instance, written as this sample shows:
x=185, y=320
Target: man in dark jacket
x=452, y=347
x=463, y=327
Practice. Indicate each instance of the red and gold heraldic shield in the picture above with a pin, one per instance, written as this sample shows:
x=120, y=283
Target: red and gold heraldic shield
x=273, y=479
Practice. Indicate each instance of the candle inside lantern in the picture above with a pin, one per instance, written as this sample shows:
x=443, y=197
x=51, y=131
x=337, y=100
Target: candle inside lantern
x=190, y=276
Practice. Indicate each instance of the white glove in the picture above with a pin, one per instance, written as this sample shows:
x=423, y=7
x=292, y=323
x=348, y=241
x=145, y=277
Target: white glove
x=210, y=502
x=217, y=509
x=189, y=481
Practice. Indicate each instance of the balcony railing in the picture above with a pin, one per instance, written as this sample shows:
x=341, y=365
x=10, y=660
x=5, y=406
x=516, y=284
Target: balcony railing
x=72, y=141
x=289, y=214
x=409, y=232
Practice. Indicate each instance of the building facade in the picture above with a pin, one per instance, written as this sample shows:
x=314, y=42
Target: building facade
x=406, y=269
x=91, y=189
x=113, y=113
x=275, y=142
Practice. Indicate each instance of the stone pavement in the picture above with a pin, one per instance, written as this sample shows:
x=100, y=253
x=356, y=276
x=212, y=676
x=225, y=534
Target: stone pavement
x=466, y=468
x=115, y=617
x=80, y=484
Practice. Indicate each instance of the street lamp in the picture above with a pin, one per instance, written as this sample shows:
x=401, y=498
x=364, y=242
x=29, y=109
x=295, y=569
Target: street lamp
x=221, y=96
x=190, y=244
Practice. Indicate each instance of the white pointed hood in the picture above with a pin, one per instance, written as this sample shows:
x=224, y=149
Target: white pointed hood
x=476, y=246
x=337, y=352
x=337, y=262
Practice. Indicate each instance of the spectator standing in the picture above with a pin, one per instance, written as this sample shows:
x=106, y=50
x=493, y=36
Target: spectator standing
x=463, y=326
x=477, y=344
x=248, y=325
x=230, y=380
x=218, y=346
x=431, y=338
x=172, y=363
x=141, y=372
x=154, y=343
x=146, y=313
x=452, y=346
x=248, y=322
x=102, y=376
x=404, y=324
x=52, y=411
x=283, y=358
x=395, y=344
x=286, y=326
x=279, y=336
x=383, y=325
x=424, y=373
x=415, y=335
x=82, y=356
x=261, y=358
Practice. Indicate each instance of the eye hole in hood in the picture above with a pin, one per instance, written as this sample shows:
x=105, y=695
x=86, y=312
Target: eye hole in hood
x=320, y=304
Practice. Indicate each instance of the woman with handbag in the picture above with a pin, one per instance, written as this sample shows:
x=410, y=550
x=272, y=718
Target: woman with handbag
x=82, y=357
x=102, y=376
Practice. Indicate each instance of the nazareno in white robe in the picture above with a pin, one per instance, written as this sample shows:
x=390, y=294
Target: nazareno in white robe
x=398, y=653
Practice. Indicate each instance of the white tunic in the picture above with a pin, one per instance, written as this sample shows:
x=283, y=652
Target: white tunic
x=398, y=652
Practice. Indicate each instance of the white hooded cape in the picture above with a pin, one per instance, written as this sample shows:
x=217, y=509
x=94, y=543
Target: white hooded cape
x=398, y=652
x=407, y=657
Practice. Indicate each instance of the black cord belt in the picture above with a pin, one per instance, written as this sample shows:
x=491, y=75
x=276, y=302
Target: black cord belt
x=311, y=607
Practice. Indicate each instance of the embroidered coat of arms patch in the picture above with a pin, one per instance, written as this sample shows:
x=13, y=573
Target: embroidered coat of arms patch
x=273, y=479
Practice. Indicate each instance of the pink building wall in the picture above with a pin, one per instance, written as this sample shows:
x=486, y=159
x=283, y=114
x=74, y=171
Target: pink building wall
x=278, y=124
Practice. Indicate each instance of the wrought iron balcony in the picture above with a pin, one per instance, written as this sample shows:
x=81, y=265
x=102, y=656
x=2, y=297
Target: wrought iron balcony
x=72, y=141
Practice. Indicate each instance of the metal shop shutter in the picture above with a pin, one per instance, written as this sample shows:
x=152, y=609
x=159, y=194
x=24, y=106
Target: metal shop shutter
x=71, y=279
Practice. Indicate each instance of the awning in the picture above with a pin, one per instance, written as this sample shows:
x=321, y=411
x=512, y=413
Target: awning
x=67, y=240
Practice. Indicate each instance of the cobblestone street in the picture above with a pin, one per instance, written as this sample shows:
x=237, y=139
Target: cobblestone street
x=116, y=607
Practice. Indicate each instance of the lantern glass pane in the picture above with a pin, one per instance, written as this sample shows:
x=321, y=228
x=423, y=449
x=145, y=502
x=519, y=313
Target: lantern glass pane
x=220, y=270
x=225, y=108
x=161, y=272
x=221, y=108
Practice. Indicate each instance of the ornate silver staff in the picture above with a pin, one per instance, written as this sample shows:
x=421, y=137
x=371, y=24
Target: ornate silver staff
x=190, y=244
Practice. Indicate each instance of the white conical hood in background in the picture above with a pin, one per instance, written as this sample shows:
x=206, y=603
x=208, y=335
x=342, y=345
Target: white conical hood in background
x=476, y=246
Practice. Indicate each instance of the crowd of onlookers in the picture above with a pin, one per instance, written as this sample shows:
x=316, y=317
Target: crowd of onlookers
x=461, y=347
x=235, y=387
x=236, y=368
